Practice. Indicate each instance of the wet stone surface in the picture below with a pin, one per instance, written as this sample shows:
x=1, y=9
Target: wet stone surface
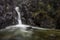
x=37, y=34
x=45, y=14
x=8, y=15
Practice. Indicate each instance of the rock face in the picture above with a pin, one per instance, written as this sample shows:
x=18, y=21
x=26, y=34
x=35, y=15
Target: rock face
x=8, y=15
x=42, y=13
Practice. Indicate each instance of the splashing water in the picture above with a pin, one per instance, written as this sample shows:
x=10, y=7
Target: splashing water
x=19, y=25
x=19, y=20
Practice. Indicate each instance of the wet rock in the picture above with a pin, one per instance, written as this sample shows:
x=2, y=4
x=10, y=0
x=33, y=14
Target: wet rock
x=8, y=14
x=37, y=12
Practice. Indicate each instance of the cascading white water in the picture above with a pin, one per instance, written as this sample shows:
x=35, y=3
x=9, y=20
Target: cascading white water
x=19, y=17
x=19, y=25
x=22, y=26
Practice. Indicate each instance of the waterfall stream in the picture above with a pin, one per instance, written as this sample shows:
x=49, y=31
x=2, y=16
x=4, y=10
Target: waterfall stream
x=23, y=27
x=19, y=25
x=20, y=22
x=19, y=17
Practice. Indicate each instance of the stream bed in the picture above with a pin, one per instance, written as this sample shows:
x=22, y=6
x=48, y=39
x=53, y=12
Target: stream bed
x=33, y=34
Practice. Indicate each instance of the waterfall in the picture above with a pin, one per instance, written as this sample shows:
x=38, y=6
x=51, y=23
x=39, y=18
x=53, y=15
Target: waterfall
x=23, y=26
x=19, y=25
x=19, y=17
